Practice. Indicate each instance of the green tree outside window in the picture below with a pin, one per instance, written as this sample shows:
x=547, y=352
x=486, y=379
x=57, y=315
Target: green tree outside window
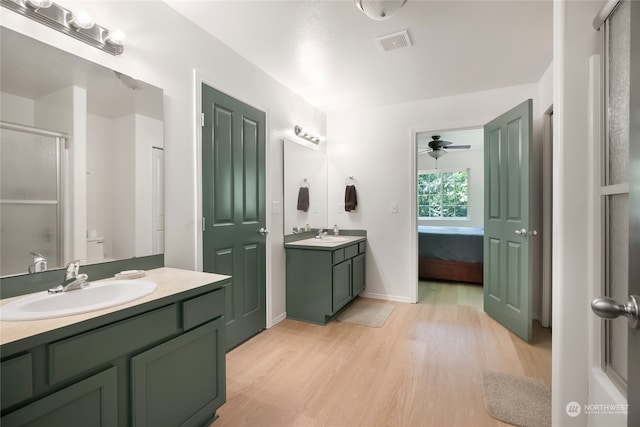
x=443, y=194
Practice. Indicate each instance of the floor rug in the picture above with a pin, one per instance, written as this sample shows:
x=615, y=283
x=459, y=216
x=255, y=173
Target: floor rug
x=366, y=313
x=516, y=400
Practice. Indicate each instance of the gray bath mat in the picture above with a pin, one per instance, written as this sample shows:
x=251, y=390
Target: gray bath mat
x=366, y=313
x=520, y=401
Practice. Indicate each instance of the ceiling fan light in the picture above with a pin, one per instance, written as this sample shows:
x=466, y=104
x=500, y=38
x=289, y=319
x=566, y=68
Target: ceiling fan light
x=437, y=153
x=380, y=9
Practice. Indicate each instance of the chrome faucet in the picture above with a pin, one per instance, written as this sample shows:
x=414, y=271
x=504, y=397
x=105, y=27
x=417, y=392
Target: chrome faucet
x=39, y=263
x=72, y=280
x=321, y=233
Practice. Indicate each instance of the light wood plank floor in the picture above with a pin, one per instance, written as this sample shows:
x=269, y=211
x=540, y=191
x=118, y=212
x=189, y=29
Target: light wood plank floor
x=422, y=368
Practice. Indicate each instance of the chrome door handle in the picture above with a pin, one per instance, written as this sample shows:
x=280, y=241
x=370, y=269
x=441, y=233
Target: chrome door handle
x=263, y=231
x=608, y=308
x=522, y=232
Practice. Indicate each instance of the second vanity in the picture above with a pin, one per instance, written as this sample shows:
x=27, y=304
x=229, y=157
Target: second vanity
x=323, y=275
x=159, y=360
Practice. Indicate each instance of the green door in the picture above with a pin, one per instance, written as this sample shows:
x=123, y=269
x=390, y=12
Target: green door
x=233, y=208
x=507, y=236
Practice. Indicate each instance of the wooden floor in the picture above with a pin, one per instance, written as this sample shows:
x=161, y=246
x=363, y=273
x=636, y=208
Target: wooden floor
x=422, y=368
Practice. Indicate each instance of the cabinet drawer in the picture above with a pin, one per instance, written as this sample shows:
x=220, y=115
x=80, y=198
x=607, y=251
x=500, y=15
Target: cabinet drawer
x=362, y=247
x=338, y=256
x=350, y=251
x=80, y=353
x=199, y=310
x=88, y=403
x=17, y=380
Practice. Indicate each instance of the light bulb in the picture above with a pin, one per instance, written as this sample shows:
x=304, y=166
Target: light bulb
x=81, y=20
x=116, y=37
x=40, y=4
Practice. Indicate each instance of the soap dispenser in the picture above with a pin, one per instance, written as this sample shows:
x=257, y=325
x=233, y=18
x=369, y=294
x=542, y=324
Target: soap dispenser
x=335, y=230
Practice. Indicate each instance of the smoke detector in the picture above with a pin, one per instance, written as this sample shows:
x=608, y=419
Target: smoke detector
x=395, y=41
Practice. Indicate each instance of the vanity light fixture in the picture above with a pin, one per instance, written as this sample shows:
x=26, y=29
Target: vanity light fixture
x=78, y=25
x=302, y=133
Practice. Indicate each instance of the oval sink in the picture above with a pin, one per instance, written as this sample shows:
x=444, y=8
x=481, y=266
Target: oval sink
x=96, y=296
x=332, y=239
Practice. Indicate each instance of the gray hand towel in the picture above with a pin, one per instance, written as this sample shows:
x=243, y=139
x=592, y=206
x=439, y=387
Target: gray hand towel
x=350, y=198
x=303, y=199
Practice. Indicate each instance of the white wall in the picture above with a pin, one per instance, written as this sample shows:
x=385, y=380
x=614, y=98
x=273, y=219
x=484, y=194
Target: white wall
x=376, y=146
x=163, y=48
x=16, y=109
x=574, y=42
x=100, y=174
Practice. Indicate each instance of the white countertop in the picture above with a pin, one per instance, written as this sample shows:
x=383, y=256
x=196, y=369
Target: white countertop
x=170, y=281
x=327, y=242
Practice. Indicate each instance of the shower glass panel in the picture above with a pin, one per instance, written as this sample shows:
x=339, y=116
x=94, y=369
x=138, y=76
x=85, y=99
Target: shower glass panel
x=30, y=198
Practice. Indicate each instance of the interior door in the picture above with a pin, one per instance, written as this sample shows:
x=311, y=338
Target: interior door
x=507, y=236
x=233, y=208
x=618, y=190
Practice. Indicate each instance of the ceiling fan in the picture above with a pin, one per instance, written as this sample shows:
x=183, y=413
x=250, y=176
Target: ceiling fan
x=437, y=147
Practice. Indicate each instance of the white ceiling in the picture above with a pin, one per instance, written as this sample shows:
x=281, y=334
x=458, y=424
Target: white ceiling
x=324, y=50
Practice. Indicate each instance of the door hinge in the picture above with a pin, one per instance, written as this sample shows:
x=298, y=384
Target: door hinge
x=202, y=119
x=203, y=223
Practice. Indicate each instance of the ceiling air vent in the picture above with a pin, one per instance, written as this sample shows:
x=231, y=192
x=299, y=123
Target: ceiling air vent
x=395, y=41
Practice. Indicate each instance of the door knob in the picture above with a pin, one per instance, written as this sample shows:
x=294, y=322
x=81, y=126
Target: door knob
x=533, y=233
x=608, y=308
x=522, y=232
x=263, y=231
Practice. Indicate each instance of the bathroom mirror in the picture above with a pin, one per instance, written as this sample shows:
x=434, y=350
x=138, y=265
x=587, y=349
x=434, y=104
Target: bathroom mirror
x=305, y=174
x=95, y=196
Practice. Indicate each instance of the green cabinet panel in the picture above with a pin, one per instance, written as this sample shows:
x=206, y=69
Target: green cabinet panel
x=358, y=274
x=17, y=381
x=88, y=403
x=180, y=382
x=341, y=284
x=321, y=281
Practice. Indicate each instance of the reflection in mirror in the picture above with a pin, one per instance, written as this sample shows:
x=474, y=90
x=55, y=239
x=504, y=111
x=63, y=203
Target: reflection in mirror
x=81, y=151
x=305, y=186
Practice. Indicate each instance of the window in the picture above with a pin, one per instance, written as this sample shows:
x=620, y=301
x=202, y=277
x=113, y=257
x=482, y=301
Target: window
x=443, y=194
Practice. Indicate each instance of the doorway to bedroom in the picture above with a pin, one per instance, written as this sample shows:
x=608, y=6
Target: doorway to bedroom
x=450, y=184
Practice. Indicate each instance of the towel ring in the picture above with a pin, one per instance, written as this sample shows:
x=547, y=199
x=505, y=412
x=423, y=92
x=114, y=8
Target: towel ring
x=304, y=183
x=350, y=180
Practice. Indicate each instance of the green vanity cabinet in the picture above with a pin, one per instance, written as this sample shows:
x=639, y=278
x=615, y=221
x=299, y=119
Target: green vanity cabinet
x=161, y=363
x=323, y=280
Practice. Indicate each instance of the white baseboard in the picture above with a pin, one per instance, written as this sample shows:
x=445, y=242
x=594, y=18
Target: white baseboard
x=385, y=297
x=277, y=320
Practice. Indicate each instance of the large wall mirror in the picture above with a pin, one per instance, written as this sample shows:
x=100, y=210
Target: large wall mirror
x=81, y=160
x=305, y=186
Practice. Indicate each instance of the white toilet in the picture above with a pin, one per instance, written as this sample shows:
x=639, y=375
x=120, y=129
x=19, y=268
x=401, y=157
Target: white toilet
x=95, y=249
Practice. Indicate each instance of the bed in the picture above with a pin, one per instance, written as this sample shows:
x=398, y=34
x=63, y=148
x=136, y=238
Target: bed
x=450, y=253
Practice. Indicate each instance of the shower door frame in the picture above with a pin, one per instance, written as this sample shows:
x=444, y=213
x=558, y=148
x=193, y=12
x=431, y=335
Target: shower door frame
x=59, y=202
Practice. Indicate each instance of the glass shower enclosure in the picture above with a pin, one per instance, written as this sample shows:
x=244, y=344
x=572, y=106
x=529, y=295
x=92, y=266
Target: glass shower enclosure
x=31, y=199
